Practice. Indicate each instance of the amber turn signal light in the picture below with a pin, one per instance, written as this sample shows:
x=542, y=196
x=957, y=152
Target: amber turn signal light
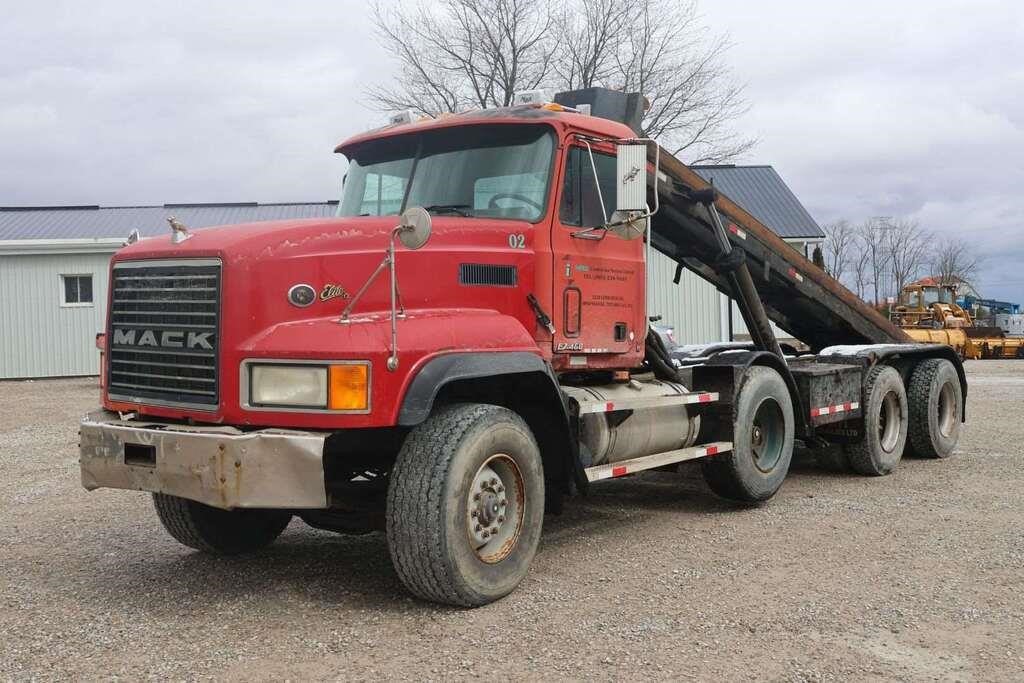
x=349, y=387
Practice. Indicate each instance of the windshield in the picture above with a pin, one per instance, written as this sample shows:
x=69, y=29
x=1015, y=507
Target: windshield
x=500, y=171
x=934, y=295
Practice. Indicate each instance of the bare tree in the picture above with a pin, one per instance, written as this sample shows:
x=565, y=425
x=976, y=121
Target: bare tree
x=589, y=53
x=860, y=262
x=465, y=54
x=840, y=240
x=871, y=236
x=954, y=261
x=908, y=246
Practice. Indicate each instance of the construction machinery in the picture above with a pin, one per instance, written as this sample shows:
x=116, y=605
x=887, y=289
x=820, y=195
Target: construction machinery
x=930, y=313
x=467, y=344
x=1002, y=314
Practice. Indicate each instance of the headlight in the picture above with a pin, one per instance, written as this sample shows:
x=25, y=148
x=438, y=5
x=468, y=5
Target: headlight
x=302, y=386
x=341, y=386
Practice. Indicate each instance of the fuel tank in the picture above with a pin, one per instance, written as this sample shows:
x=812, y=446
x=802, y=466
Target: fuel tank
x=624, y=434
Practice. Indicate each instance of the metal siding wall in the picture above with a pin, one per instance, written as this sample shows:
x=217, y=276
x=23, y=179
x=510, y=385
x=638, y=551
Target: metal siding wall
x=39, y=337
x=740, y=331
x=693, y=307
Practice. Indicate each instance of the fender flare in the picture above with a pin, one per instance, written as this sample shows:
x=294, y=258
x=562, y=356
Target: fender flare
x=441, y=371
x=452, y=367
x=742, y=360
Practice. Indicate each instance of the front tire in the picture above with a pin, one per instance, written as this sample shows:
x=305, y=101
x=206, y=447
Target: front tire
x=465, y=505
x=762, y=441
x=220, y=532
x=885, y=424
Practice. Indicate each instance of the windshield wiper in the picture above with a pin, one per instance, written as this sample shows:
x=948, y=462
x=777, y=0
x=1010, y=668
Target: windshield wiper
x=449, y=208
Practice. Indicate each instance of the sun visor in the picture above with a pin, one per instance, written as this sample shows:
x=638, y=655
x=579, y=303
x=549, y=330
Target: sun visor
x=627, y=108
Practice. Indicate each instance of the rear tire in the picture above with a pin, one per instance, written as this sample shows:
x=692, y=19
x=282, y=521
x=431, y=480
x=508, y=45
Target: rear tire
x=220, y=532
x=885, y=424
x=936, y=404
x=762, y=441
x=465, y=505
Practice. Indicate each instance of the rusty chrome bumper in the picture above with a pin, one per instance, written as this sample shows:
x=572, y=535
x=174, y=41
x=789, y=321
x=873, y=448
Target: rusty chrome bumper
x=216, y=465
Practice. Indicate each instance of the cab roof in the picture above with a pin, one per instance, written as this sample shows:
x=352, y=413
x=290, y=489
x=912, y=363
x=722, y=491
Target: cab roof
x=553, y=115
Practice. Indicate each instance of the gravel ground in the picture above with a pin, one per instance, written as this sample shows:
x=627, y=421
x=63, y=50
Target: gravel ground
x=914, y=576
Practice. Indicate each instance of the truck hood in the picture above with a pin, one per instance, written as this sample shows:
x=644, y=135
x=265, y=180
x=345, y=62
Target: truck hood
x=247, y=242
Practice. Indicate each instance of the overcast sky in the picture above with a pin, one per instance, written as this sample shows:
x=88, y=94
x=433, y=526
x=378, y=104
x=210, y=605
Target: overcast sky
x=865, y=108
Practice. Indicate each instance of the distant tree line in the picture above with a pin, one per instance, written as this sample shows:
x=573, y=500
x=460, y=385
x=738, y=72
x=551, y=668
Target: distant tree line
x=879, y=256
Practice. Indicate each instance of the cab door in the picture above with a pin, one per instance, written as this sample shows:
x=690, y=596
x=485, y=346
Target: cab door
x=599, y=305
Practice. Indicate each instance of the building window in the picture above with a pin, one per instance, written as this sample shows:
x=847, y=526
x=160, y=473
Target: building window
x=77, y=290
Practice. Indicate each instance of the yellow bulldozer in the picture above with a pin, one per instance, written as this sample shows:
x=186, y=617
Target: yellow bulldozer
x=929, y=313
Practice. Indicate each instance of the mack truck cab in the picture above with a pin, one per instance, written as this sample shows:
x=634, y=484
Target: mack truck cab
x=463, y=346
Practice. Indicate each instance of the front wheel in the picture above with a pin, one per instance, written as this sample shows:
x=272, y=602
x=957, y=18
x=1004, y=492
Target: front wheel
x=465, y=505
x=216, y=531
x=762, y=441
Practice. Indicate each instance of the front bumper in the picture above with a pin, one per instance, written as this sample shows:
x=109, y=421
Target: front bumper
x=216, y=465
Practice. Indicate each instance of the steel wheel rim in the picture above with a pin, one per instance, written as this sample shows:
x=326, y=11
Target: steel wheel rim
x=889, y=419
x=947, y=410
x=767, y=434
x=496, y=508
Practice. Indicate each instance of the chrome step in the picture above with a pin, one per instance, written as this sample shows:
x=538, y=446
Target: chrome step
x=647, y=462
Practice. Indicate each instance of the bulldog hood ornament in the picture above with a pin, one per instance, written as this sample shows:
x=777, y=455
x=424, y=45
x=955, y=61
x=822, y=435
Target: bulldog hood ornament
x=179, y=233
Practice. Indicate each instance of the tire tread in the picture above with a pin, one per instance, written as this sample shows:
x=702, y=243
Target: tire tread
x=215, y=531
x=859, y=454
x=415, y=523
x=918, y=399
x=723, y=474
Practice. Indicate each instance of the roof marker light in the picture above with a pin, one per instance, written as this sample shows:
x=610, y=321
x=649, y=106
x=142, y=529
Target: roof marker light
x=399, y=118
x=529, y=97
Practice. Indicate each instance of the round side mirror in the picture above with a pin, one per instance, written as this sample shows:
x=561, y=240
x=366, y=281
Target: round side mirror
x=631, y=224
x=414, y=227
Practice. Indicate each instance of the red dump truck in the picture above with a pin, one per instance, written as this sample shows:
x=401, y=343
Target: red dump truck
x=467, y=344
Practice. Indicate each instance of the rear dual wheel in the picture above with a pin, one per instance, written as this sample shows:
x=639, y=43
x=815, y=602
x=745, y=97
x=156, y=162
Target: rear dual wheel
x=886, y=419
x=936, y=406
x=921, y=419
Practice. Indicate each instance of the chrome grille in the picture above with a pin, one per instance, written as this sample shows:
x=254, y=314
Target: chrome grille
x=163, y=334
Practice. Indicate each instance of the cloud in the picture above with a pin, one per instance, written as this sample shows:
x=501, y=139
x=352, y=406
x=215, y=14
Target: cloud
x=128, y=103
x=893, y=109
x=868, y=108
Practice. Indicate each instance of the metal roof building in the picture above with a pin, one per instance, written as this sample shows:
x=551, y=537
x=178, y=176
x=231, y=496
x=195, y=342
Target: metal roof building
x=98, y=223
x=762, y=192
x=54, y=267
x=53, y=274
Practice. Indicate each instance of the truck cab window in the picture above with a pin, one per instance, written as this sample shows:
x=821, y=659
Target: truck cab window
x=496, y=171
x=382, y=194
x=580, y=204
x=519, y=195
